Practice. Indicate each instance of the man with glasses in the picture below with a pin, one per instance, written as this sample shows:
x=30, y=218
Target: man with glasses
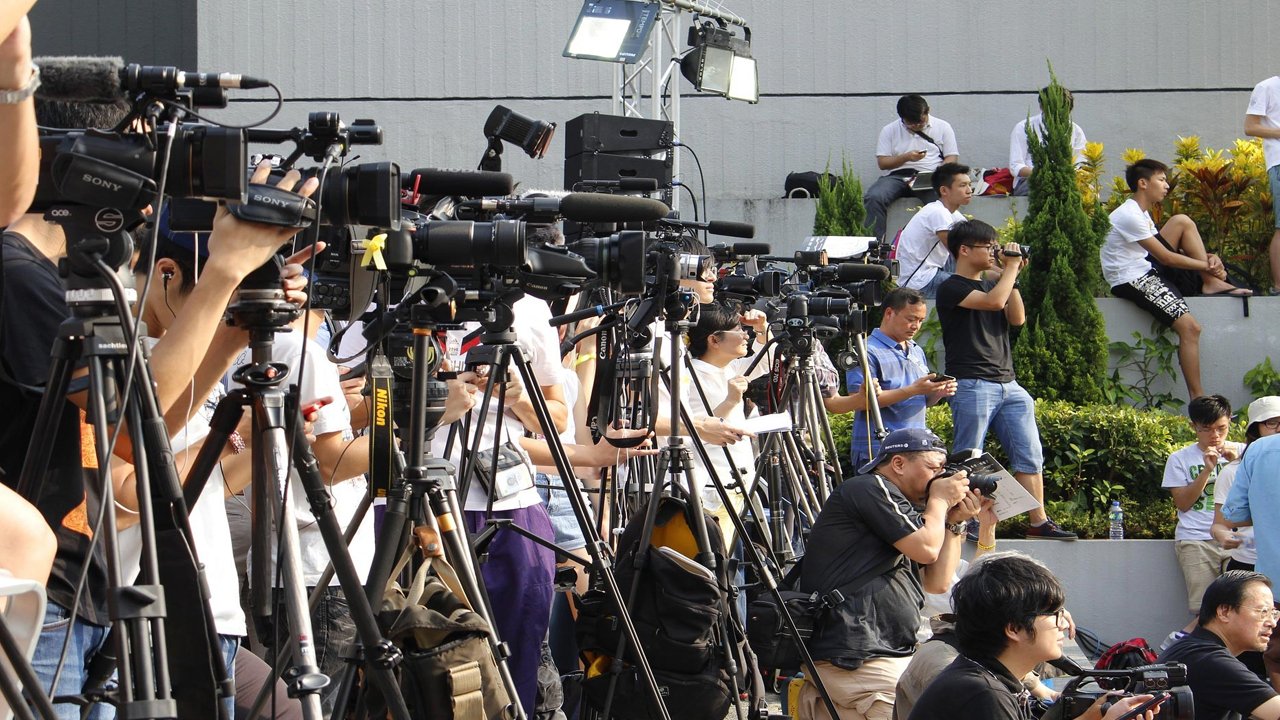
x=1008, y=619
x=1189, y=475
x=1238, y=614
x=976, y=314
x=883, y=538
x=914, y=143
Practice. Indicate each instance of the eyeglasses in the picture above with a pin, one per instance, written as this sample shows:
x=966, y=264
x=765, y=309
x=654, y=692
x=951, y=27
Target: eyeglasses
x=982, y=246
x=1059, y=617
x=735, y=331
x=1266, y=613
x=1214, y=429
x=1272, y=424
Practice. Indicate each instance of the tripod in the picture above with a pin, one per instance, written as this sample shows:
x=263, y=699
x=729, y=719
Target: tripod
x=99, y=334
x=261, y=309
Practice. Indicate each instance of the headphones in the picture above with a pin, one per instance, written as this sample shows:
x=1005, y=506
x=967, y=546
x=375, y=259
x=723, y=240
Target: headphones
x=165, y=277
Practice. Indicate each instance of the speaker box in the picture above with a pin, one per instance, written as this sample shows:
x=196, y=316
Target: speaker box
x=605, y=166
x=594, y=132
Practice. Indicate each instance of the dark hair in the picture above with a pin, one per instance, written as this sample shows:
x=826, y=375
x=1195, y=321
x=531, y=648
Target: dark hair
x=692, y=246
x=968, y=232
x=1144, y=169
x=998, y=593
x=946, y=173
x=912, y=108
x=900, y=297
x=166, y=250
x=1208, y=409
x=712, y=318
x=1071, y=99
x=77, y=115
x=1227, y=591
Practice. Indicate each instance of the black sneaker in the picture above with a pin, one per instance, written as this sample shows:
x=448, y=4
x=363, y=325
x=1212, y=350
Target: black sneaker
x=971, y=530
x=1048, y=531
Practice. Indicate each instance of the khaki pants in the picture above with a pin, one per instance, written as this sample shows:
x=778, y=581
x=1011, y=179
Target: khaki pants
x=862, y=694
x=1201, y=562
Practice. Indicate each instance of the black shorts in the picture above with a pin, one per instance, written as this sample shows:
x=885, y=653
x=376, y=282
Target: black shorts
x=1184, y=280
x=1153, y=293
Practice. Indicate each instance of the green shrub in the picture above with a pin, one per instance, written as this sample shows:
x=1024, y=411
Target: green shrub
x=1093, y=454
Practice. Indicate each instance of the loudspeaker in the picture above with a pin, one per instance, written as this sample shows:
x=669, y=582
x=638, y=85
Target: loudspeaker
x=603, y=166
x=594, y=132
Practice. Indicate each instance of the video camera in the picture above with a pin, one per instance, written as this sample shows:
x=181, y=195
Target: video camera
x=1166, y=678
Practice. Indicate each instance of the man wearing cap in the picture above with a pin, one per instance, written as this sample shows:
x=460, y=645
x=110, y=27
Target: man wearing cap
x=883, y=538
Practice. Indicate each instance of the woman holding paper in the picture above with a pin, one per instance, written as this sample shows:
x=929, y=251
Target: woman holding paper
x=719, y=347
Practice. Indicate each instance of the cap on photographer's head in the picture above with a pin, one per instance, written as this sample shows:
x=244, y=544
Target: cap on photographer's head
x=906, y=440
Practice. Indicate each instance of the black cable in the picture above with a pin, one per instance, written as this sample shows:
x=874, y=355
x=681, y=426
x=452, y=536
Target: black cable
x=692, y=198
x=702, y=179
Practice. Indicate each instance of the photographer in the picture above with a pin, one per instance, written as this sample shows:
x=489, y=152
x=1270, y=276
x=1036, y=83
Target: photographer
x=899, y=370
x=1237, y=614
x=1008, y=619
x=883, y=538
x=976, y=316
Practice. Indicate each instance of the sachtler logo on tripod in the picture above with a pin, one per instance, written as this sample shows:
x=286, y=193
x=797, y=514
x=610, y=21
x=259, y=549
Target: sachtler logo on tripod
x=109, y=220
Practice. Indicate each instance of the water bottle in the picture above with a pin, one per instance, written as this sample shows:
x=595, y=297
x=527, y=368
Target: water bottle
x=1117, y=521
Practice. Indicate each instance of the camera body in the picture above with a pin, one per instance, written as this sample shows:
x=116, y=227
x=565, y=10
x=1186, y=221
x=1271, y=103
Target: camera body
x=983, y=482
x=1170, y=678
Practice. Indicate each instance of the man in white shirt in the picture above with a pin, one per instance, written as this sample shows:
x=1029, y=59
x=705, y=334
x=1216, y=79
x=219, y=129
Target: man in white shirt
x=1262, y=120
x=1154, y=268
x=1020, y=155
x=912, y=144
x=923, y=259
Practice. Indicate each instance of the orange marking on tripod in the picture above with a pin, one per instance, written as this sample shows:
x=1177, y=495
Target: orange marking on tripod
x=445, y=522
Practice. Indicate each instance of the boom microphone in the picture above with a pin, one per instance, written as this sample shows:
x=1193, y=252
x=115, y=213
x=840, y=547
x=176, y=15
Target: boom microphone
x=107, y=79
x=715, y=227
x=471, y=183
x=580, y=207
x=725, y=253
x=853, y=272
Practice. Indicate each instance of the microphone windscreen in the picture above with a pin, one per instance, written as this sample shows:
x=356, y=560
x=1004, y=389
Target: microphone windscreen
x=597, y=207
x=80, y=79
x=731, y=229
x=470, y=183
x=752, y=248
x=852, y=272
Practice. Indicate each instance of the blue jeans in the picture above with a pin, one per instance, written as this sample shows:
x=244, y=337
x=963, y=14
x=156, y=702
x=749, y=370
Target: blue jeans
x=86, y=640
x=1004, y=407
x=332, y=629
x=1273, y=173
x=564, y=521
x=879, y=197
x=230, y=645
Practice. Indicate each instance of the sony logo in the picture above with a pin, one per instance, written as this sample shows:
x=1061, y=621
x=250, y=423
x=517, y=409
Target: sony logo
x=268, y=200
x=101, y=182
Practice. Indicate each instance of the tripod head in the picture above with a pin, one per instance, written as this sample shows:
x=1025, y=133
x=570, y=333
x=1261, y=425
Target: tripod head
x=94, y=235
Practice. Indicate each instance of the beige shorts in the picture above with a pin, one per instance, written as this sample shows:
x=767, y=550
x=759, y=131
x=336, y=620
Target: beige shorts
x=862, y=694
x=1201, y=562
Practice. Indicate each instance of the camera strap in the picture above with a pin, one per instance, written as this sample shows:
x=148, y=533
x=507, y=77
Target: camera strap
x=271, y=205
x=836, y=596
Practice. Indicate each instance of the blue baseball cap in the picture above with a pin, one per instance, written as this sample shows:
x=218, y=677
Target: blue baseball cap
x=196, y=243
x=913, y=439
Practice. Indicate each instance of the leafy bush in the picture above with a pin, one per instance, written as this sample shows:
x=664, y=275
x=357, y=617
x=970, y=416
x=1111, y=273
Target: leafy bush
x=1093, y=454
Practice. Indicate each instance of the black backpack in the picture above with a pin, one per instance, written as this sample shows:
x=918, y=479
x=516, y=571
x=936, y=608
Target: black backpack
x=678, y=616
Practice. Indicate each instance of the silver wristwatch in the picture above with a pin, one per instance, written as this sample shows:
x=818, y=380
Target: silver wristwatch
x=13, y=97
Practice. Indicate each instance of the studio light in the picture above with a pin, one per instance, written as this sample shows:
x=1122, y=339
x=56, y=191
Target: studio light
x=612, y=30
x=721, y=63
x=505, y=124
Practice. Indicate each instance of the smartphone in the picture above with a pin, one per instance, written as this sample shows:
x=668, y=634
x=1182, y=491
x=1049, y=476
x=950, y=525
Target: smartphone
x=939, y=377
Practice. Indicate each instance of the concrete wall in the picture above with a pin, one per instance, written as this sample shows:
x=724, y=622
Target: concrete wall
x=150, y=32
x=1118, y=589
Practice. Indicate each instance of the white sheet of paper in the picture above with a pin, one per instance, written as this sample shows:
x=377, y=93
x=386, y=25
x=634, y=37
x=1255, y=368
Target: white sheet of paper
x=1010, y=497
x=776, y=422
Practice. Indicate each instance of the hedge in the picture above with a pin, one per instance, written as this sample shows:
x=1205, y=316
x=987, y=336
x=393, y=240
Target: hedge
x=1093, y=453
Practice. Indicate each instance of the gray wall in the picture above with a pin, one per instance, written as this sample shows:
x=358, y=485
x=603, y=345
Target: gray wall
x=830, y=74
x=149, y=32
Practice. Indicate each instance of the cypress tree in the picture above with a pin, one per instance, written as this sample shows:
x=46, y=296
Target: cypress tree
x=1061, y=353
x=840, y=210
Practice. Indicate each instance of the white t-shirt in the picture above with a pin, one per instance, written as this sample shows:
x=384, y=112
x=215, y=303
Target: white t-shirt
x=896, y=139
x=715, y=383
x=1123, y=259
x=319, y=379
x=920, y=247
x=1246, y=552
x=1265, y=101
x=1180, y=471
x=541, y=345
x=1020, y=154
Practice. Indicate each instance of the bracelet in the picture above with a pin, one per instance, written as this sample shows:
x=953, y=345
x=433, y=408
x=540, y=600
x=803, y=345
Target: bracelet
x=13, y=97
x=584, y=359
x=985, y=548
x=236, y=442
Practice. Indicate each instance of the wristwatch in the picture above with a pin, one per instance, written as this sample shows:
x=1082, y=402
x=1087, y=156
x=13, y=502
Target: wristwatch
x=958, y=529
x=13, y=97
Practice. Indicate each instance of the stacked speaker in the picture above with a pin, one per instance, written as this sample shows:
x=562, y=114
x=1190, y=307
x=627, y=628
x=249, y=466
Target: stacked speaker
x=601, y=151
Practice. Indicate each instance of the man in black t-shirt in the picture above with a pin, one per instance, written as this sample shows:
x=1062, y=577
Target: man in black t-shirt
x=874, y=544
x=1237, y=614
x=1009, y=618
x=976, y=315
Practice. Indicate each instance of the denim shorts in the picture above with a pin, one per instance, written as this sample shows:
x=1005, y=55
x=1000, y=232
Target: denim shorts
x=1005, y=408
x=563, y=520
x=1273, y=172
x=86, y=640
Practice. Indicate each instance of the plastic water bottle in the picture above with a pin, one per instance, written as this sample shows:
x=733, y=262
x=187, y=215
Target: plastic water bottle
x=1117, y=521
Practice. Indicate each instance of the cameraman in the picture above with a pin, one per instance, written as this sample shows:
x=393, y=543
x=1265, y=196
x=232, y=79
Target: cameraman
x=1009, y=618
x=1237, y=614
x=976, y=315
x=873, y=552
